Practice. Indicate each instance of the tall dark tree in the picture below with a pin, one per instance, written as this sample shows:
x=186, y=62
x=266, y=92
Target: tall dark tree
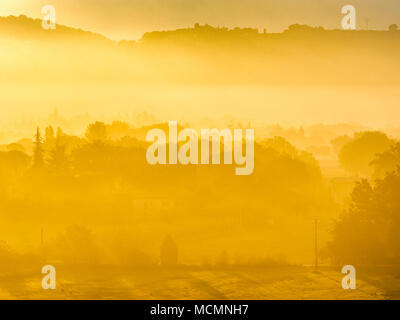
x=58, y=160
x=38, y=159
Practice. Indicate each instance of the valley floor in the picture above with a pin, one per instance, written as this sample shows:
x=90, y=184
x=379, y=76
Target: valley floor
x=203, y=283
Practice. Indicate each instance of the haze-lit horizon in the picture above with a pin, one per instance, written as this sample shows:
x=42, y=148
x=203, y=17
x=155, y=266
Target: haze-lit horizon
x=123, y=19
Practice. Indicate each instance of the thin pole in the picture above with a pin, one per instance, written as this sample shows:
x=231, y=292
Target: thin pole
x=316, y=242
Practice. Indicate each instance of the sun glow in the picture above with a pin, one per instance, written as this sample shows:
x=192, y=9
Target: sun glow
x=18, y=7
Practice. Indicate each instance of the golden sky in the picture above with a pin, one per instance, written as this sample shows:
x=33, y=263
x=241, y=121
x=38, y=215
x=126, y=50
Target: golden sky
x=129, y=19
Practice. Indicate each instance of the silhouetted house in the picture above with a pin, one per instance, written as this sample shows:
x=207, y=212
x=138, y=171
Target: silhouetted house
x=169, y=252
x=153, y=204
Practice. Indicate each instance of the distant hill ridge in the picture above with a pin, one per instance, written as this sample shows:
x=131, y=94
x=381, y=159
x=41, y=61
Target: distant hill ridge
x=25, y=27
x=202, y=54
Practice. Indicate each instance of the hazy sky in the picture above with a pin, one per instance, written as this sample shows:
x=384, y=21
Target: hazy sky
x=129, y=19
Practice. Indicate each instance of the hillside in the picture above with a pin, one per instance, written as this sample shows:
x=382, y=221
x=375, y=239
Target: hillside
x=24, y=28
x=199, y=55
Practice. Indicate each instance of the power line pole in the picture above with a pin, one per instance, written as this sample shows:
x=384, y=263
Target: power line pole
x=316, y=242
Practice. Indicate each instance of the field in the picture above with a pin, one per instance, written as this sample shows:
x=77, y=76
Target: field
x=288, y=282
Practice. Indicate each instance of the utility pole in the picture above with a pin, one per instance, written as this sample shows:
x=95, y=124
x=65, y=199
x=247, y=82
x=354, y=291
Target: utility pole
x=316, y=242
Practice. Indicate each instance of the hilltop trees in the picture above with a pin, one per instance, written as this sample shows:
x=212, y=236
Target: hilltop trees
x=57, y=150
x=49, y=135
x=96, y=132
x=356, y=155
x=12, y=166
x=368, y=233
x=38, y=158
x=385, y=162
x=303, y=28
x=58, y=160
x=50, y=153
x=339, y=142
